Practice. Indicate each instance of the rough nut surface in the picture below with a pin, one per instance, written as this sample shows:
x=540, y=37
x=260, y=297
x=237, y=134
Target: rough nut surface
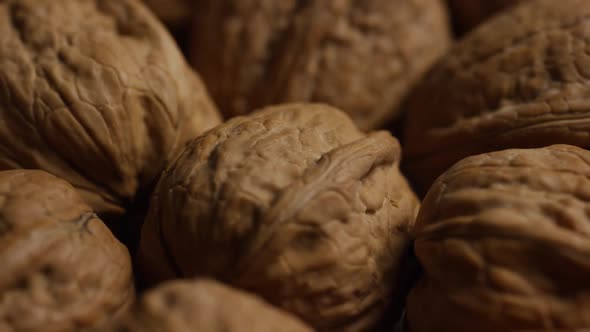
x=203, y=305
x=504, y=239
x=62, y=269
x=469, y=13
x=292, y=202
x=360, y=56
x=94, y=92
x=520, y=80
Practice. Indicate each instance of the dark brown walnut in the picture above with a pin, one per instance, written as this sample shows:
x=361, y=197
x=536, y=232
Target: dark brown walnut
x=292, y=202
x=520, y=80
x=175, y=13
x=361, y=56
x=204, y=305
x=62, y=269
x=469, y=13
x=504, y=240
x=94, y=92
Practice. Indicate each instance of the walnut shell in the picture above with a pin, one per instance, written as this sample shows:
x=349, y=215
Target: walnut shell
x=292, y=202
x=94, y=92
x=360, y=56
x=504, y=239
x=62, y=269
x=518, y=81
x=467, y=14
x=204, y=305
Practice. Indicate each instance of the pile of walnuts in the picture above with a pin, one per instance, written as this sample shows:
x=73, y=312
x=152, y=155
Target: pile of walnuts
x=231, y=165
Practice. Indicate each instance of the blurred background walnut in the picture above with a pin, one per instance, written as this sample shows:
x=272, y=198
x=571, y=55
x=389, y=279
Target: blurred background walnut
x=360, y=56
x=467, y=14
x=504, y=239
x=204, y=305
x=95, y=92
x=62, y=269
x=520, y=80
x=176, y=14
x=294, y=203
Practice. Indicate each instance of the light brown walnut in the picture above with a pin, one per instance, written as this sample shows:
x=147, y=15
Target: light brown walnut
x=361, y=56
x=504, y=240
x=292, y=202
x=204, y=306
x=520, y=80
x=468, y=14
x=94, y=92
x=62, y=269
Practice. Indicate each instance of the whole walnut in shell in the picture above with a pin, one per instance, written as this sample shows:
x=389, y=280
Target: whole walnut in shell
x=469, y=13
x=62, y=269
x=94, y=92
x=360, y=56
x=504, y=239
x=292, y=202
x=521, y=80
x=204, y=305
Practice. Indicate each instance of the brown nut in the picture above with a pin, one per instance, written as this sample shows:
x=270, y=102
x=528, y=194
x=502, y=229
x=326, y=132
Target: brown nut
x=292, y=202
x=504, y=240
x=62, y=269
x=360, y=56
x=204, y=305
x=94, y=92
x=467, y=14
x=519, y=81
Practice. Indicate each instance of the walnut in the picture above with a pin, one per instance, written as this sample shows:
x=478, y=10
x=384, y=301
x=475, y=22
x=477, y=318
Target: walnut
x=204, y=305
x=360, y=56
x=94, y=92
x=292, y=202
x=62, y=269
x=504, y=239
x=467, y=14
x=519, y=81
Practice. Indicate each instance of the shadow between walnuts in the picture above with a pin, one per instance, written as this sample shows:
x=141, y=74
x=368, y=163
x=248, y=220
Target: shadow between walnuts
x=127, y=228
x=411, y=271
x=409, y=274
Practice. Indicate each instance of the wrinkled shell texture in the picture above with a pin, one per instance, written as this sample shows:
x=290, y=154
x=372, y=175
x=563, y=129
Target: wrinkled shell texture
x=504, y=239
x=292, y=202
x=520, y=80
x=175, y=13
x=358, y=55
x=62, y=269
x=470, y=13
x=207, y=306
x=94, y=92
